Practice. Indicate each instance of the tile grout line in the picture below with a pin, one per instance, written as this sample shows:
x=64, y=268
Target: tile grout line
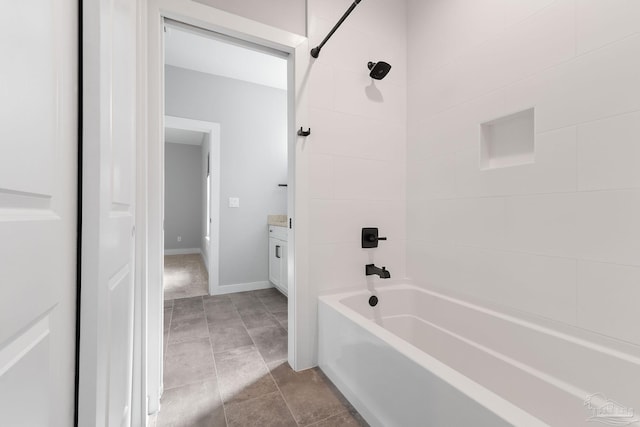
x=265, y=362
x=273, y=316
x=346, y=411
x=283, y=397
x=267, y=366
x=215, y=367
x=281, y=394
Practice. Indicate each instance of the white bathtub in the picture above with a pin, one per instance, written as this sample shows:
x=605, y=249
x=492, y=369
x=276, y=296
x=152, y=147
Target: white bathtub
x=420, y=358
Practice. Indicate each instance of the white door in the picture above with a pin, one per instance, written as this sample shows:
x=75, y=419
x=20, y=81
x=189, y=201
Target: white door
x=108, y=234
x=38, y=204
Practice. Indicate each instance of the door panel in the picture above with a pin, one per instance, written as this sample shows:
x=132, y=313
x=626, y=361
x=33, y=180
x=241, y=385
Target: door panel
x=109, y=137
x=29, y=92
x=38, y=202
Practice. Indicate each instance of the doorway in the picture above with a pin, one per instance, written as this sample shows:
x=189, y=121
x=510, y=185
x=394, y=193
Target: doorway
x=300, y=339
x=239, y=202
x=236, y=93
x=192, y=195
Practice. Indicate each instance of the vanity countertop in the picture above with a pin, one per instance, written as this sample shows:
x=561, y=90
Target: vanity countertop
x=277, y=220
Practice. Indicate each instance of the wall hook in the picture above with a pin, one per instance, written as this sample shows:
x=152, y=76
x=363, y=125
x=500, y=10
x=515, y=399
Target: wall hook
x=303, y=132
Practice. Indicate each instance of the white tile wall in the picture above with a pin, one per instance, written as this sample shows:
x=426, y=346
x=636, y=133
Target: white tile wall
x=357, y=136
x=501, y=60
x=609, y=153
x=609, y=226
x=543, y=224
x=559, y=238
x=602, y=22
x=608, y=299
x=357, y=149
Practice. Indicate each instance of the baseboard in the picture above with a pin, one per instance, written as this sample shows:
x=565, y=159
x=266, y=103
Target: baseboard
x=182, y=251
x=242, y=287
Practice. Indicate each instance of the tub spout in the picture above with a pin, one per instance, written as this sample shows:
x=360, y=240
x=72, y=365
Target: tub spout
x=371, y=269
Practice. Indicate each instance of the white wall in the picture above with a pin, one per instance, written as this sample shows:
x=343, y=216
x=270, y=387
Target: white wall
x=253, y=149
x=358, y=143
x=356, y=151
x=289, y=15
x=559, y=238
x=183, y=196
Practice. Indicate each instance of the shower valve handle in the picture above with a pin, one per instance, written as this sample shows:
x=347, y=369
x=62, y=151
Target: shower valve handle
x=370, y=238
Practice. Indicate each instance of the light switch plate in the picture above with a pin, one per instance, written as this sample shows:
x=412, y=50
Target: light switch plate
x=234, y=202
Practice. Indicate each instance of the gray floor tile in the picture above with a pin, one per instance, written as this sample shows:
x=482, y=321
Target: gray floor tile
x=271, y=341
x=283, y=318
x=258, y=319
x=309, y=394
x=228, y=336
x=193, y=405
x=251, y=306
x=265, y=411
x=345, y=419
x=221, y=312
x=246, y=302
x=266, y=292
x=188, y=362
x=242, y=375
x=216, y=298
x=275, y=303
x=188, y=328
x=234, y=323
x=187, y=307
x=255, y=309
x=239, y=296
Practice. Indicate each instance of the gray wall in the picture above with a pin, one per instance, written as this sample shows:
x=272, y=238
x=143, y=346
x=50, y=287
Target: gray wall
x=183, y=196
x=253, y=127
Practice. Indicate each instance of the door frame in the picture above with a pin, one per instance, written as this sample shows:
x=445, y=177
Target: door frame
x=301, y=301
x=213, y=246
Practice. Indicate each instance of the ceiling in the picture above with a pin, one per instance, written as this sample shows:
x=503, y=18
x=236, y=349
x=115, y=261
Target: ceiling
x=198, y=52
x=182, y=136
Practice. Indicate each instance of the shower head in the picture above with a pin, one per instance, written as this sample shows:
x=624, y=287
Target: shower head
x=379, y=70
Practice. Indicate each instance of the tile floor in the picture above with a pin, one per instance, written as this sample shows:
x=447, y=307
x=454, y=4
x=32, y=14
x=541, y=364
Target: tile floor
x=225, y=365
x=185, y=276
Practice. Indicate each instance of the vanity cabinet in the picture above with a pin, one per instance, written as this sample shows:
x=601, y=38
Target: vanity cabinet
x=278, y=259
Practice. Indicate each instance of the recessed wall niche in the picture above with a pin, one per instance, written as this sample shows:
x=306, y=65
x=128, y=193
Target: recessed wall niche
x=508, y=141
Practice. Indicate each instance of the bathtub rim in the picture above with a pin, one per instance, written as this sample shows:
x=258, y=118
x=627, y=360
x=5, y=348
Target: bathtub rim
x=473, y=390
x=588, y=339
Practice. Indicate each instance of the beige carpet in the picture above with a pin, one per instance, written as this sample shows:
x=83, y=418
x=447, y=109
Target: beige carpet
x=184, y=276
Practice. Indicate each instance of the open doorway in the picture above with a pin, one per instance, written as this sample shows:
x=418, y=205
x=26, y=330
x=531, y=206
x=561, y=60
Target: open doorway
x=237, y=191
x=228, y=102
x=299, y=342
x=192, y=192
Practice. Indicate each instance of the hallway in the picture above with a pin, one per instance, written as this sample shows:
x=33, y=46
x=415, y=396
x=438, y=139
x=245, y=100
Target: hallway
x=225, y=365
x=184, y=276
